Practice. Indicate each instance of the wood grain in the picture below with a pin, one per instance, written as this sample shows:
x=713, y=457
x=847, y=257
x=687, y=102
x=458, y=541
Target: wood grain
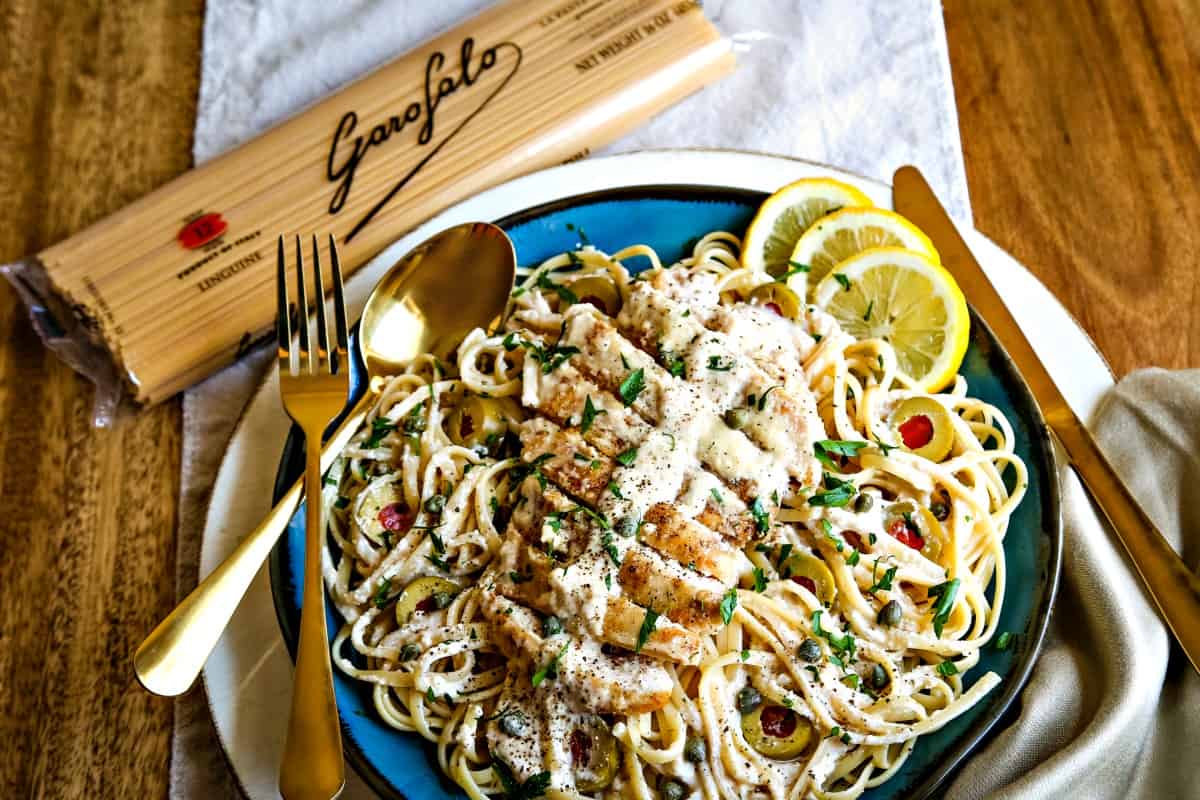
x=1080, y=123
x=97, y=102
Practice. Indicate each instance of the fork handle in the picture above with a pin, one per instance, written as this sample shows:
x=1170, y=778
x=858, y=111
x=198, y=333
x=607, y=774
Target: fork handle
x=169, y=660
x=312, y=767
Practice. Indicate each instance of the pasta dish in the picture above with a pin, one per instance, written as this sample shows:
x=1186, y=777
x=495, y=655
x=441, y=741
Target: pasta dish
x=672, y=534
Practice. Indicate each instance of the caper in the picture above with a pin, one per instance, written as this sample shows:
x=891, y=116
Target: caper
x=940, y=510
x=748, y=699
x=879, y=677
x=737, y=418
x=810, y=650
x=513, y=723
x=410, y=651
x=627, y=526
x=863, y=502
x=551, y=625
x=435, y=504
x=695, y=751
x=442, y=599
x=672, y=790
x=890, y=614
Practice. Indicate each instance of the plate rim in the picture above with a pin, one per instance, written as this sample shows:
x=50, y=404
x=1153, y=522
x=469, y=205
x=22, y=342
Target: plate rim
x=999, y=706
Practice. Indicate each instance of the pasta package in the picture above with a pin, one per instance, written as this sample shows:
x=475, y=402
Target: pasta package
x=179, y=284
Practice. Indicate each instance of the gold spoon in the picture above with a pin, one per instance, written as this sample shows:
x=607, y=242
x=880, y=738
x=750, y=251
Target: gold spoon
x=427, y=302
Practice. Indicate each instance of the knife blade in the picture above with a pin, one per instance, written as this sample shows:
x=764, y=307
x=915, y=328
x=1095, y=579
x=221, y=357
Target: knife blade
x=1174, y=588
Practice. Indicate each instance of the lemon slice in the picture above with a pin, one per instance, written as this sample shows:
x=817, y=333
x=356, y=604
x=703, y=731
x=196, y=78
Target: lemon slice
x=906, y=299
x=842, y=234
x=786, y=215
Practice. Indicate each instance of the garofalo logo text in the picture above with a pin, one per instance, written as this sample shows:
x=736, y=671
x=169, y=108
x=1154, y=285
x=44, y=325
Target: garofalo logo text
x=347, y=151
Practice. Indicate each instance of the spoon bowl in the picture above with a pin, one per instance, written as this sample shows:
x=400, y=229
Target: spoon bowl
x=425, y=303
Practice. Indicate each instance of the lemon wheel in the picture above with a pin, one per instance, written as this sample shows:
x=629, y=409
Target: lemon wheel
x=784, y=217
x=906, y=299
x=846, y=233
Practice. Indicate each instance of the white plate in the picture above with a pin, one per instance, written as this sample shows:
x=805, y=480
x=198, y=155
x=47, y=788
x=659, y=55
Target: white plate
x=249, y=675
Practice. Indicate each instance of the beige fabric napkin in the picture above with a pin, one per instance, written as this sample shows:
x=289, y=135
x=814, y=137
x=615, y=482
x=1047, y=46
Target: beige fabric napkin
x=1113, y=707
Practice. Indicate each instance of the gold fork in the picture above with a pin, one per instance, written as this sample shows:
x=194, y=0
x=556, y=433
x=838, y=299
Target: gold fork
x=313, y=390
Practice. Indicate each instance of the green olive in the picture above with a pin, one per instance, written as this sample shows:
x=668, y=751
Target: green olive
x=376, y=523
x=802, y=566
x=737, y=418
x=777, y=732
x=809, y=650
x=929, y=530
x=594, y=754
x=480, y=420
x=424, y=594
x=778, y=298
x=695, y=750
x=923, y=426
x=748, y=699
x=889, y=616
x=598, y=290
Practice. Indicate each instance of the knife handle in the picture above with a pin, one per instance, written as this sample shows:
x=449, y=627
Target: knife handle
x=1173, y=587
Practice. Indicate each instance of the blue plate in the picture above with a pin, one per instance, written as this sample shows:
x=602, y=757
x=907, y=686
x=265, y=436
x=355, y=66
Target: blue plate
x=399, y=765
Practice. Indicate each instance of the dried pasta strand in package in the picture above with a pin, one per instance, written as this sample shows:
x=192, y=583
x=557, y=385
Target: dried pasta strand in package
x=177, y=285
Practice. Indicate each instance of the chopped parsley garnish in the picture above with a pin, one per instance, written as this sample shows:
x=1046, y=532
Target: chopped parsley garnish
x=867, y=315
x=795, y=269
x=341, y=502
x=760, y=580
x=838, y=493
x=728, y=604
x=1004, y=640
x=843, y=280
x=762, y=401
x=517, y=577
x=719, y=364
x=881, y=584
x=717, y=496
x=616, y=490
x=626, y=458
x=648, y=623
x=607, y=578
x=852, y=559
x=945, y=594
x=567, y=296
x=762, y=520
x=826, y=449
x=380, y=427
x=534, y=785
x=841, y=645
x=785, y=550
x=430, y=696
x=632, y=386
x=589, y=415
x=851, y=680
x=439, y=546
x=947, y=668
x=439, y=563
x=381, y=593
x=606, y=541
x=673, y=362
x=551, y=668
x=551, y=358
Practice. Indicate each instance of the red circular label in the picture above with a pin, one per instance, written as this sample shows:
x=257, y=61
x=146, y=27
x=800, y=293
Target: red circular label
x=201, y=231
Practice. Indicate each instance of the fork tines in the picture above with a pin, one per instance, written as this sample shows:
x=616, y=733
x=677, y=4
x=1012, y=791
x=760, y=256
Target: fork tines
x=325, y=358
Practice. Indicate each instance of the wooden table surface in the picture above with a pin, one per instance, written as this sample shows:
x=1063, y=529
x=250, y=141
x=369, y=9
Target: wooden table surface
x=1080, y=123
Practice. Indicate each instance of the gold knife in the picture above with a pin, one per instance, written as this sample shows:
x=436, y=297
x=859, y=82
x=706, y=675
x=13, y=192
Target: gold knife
x=1174, y=588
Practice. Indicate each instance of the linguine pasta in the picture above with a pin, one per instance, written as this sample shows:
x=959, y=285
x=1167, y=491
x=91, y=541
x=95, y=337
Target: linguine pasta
x=669, y=536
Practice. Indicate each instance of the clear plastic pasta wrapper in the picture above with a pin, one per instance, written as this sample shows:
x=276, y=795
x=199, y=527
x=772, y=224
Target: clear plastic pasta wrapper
x=179, y=284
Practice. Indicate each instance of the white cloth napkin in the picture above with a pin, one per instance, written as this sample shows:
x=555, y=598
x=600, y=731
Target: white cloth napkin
x=861, y=84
